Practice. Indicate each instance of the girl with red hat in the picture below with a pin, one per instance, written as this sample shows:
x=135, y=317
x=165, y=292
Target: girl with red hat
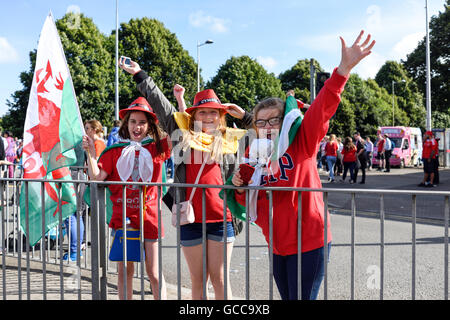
x=292, y=163
x=138, y=157
x=207, y=145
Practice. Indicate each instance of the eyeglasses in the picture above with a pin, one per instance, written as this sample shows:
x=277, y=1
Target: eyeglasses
x=272, y=121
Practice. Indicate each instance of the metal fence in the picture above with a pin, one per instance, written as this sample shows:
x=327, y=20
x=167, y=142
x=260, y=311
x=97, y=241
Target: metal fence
x=98, y=270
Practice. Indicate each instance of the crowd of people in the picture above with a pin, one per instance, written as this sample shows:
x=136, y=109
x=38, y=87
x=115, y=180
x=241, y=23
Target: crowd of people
x=338, y=157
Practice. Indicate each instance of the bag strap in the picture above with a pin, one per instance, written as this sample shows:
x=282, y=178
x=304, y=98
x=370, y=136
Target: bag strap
x=198, y=178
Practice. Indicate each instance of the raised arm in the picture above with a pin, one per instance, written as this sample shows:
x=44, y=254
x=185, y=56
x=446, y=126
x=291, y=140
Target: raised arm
x=95, y=173
x=316, y=121
x=178, y=92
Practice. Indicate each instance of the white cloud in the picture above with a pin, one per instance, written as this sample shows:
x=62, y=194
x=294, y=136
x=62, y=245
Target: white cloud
x=267, y=62
x=373, y=21
x=407, y=44
x=200, y=20
x=7, y=51
x=369, y=67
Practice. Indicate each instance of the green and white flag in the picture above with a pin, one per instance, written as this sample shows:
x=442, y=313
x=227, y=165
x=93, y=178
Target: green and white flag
x=53, y=127
x=292, y=119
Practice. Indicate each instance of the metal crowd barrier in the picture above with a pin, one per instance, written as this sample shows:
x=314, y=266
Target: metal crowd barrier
x=97, y=235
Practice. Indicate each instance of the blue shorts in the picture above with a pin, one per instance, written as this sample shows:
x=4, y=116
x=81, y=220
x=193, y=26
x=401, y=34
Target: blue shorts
x=191, y=234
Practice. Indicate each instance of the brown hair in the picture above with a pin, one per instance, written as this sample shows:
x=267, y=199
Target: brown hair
x=153, y=130
x=348, y=144
x=96, y=125
x=274, y=103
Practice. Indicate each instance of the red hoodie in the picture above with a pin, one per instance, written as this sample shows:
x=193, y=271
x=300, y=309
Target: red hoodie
x=298, y=168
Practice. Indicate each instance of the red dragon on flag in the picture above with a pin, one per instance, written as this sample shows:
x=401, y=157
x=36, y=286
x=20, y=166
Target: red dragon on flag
x=53, y=128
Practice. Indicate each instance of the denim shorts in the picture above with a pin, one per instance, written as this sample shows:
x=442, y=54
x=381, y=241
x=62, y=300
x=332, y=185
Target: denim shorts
x=191, y=234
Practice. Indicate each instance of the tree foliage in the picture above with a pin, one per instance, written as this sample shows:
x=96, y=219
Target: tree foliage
x=243, y=81
x=298, y=79
x=406, y=96
x=415, y=64
x=160, y=54
x=365, y=104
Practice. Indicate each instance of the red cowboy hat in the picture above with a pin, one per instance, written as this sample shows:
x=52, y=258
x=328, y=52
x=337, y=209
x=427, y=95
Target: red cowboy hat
x=429, y=133
x=206, y=99
x=140, y=104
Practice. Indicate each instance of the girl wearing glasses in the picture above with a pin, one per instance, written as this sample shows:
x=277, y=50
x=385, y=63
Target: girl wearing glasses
x=293, y=164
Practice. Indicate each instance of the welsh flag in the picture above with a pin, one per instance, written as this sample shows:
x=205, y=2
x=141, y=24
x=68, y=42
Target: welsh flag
x=53, y=127
x=292, y=119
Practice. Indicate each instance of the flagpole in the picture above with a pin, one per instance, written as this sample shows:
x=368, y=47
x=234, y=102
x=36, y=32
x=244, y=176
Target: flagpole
x=117, y=61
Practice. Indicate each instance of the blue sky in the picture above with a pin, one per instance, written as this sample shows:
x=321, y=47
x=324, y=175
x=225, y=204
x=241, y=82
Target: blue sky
x=276, y=33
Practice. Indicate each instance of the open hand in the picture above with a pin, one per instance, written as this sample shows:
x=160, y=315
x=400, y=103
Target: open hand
x=133, y=69
x=351, y=56
x=234, y=110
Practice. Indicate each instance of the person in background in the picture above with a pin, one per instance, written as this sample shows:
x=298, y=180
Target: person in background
x=339, y=165
x=369, y=153
x=429, y=159
x=10, y=152
x=113, y=136
x=94, y=130
x=331, y=154
x=2, y=149
x=361, y=162
x=388, y=148
x=349, y=159
x=380, y=152
x=436, y=162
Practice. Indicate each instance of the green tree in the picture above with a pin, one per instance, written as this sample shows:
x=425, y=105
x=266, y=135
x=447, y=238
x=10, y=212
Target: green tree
x=14, y=119
x=415, y=64
x=298, y=78
x=244, y=81
x=160, y=54
x=406, y=94
x=89, y=64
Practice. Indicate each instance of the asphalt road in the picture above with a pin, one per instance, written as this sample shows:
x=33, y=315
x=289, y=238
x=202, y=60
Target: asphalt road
x=397, y=275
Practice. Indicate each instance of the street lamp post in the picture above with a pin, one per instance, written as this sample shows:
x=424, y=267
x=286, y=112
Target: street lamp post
x=393, y=99
x=198, y=61
x=428, y=81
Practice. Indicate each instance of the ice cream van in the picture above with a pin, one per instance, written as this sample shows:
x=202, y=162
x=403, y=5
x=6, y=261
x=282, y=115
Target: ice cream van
x=408, y=146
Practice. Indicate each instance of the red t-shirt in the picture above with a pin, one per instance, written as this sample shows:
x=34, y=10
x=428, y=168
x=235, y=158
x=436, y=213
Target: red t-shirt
x=349, y=155
x=298, y=168
x=108, y=163
x=428, y=146
x=99, y=147
x=331, y=149
x=211, y=175
x=380, y=145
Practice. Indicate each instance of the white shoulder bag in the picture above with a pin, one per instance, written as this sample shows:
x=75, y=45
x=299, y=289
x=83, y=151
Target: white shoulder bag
x=186, y=210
